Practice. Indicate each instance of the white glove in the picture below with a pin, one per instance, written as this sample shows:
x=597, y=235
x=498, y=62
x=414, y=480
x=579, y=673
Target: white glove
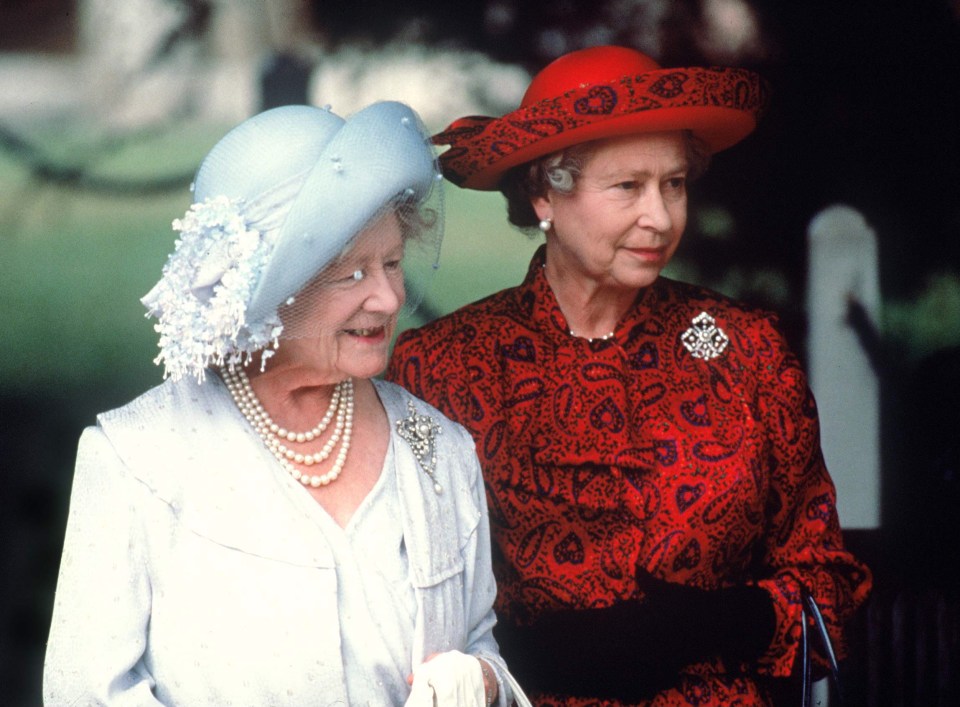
x=451, y=679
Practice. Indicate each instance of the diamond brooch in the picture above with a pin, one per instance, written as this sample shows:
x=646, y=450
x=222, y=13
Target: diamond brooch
x=420, y=431
x=705, y=339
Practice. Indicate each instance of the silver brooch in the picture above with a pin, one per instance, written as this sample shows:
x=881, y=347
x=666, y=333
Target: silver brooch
x=420, y=431
x=705, y=339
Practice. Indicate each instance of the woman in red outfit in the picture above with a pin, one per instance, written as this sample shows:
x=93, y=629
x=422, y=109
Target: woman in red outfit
x=659, y=500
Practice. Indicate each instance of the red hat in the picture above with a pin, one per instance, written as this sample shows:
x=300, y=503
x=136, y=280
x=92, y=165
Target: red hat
x=597, y=93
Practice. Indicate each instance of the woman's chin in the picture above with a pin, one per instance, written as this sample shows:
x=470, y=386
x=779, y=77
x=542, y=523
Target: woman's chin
x=641, y=274
x=364, y=372
x=364, y=357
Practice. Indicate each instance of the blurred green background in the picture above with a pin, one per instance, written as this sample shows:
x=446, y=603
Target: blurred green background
x=75, y=257
x=74, y=263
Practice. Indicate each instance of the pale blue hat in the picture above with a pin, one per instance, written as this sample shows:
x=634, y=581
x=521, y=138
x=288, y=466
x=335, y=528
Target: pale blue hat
x=275, y=201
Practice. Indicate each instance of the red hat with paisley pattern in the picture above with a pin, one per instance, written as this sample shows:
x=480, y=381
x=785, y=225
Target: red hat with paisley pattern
x=597, y=93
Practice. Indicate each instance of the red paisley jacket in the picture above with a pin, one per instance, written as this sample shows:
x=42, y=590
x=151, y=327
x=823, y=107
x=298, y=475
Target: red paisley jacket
x=699, y=461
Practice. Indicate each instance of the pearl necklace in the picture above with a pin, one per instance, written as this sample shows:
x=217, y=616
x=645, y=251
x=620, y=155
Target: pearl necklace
x=274, y=436
x=605, y=337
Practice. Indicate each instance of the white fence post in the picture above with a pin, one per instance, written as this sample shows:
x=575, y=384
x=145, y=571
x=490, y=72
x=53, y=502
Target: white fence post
x=843, y=274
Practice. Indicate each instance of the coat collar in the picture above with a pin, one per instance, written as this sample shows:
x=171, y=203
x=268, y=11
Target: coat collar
x=189, y=444
x=191, y=447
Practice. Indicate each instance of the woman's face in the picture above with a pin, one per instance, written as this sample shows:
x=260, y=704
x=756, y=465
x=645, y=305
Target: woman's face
x=623, y=221
x=341, y=324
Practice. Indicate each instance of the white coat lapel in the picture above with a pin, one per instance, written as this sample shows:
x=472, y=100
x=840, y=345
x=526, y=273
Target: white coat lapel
x=190, y=445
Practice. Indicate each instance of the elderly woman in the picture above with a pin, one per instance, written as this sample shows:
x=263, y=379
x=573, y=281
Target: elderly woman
x=659, y=501
x=270, y=526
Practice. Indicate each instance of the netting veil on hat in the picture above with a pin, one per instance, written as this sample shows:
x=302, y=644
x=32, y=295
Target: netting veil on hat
x=276, y=201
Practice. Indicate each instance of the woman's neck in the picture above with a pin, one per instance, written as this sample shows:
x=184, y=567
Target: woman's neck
x=592, y=310
x=311, y=425
x=293, y=394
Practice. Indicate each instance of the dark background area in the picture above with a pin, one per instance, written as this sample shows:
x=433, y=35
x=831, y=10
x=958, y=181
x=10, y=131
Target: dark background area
x=865, y=111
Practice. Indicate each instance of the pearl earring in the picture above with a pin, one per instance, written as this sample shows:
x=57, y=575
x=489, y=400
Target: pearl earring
x=545, y=225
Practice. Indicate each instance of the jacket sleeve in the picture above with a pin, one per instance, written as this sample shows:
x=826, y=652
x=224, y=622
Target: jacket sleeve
x=480, y=587
x=102, y=605
x=803, y=545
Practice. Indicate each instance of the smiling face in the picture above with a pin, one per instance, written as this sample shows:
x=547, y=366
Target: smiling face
x=341, y=324
x=624, y=219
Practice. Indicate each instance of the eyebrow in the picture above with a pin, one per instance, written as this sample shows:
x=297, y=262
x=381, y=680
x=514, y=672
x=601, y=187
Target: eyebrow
x=642, y=173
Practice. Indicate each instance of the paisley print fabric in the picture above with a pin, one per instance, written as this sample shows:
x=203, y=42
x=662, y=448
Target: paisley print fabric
x=601, y=457
x=477, y=143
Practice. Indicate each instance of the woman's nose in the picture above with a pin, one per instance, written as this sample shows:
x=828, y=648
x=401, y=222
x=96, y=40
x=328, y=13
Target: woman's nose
x=386, y=293
x=654, y=213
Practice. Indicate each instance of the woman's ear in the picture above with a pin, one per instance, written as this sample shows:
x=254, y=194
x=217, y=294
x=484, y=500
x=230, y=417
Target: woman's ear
x=542, y=207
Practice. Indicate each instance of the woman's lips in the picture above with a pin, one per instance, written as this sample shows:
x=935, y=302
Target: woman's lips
x=650, y=255
x=369, y=334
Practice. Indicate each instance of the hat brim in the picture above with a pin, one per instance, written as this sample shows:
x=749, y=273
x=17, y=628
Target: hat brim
x=377, y=154
x=719, y=105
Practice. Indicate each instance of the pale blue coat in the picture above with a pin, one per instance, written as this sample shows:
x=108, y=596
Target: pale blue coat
x=191, y=574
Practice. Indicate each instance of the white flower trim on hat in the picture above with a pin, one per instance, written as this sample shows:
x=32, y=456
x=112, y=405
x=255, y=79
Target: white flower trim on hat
x=201, y=299
x=276, y=199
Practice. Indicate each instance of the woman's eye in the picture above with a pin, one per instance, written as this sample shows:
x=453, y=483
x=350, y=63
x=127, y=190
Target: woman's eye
x=392, y=265
x=676, y=183
x=628, y=185
x=351, y=276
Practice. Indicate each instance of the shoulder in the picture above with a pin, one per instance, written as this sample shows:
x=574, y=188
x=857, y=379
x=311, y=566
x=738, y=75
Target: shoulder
x=462, y=323
x=164, y=403
x=163, y=436
x=723, y=334
x=444, y=349
x=682, y=303
x=432, y=449
x=401, y=405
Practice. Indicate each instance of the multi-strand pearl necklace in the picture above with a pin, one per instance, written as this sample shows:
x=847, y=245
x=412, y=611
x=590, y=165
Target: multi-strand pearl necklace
x=275, y=437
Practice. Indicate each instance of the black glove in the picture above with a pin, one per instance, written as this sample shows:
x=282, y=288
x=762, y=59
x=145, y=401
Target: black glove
x=636, y=648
